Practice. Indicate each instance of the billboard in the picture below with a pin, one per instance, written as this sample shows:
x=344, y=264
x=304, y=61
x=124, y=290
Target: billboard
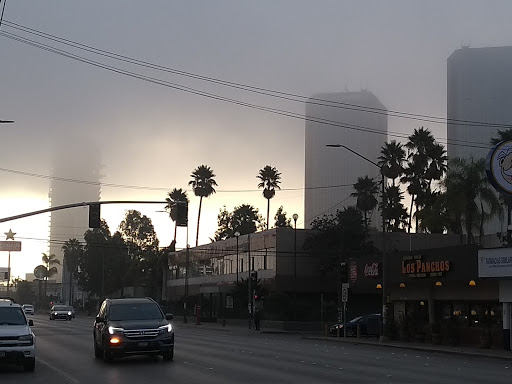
x=495, y=262
x=10, y=246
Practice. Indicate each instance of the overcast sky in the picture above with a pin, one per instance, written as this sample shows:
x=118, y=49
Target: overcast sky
x=154, y=136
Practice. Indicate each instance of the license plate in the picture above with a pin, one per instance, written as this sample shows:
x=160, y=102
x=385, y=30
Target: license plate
x=2, y=353
x=143, y=344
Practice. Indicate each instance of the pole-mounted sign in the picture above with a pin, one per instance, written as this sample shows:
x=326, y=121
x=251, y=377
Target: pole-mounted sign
x=499, y=167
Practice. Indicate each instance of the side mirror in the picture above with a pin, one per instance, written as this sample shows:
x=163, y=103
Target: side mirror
x=169, y=316
x=31, y=323
x=100, y=319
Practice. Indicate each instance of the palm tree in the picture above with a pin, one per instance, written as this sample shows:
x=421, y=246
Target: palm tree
x=505, y=135
x=394, y=211
x=72, y=250
x=203, y=184
x=366, y=189
x=269, y=181
x=466, y=182
x=391, y=160
x=49, y=261
x=175, y=197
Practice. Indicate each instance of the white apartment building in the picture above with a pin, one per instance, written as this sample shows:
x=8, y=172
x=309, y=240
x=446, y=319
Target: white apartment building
x=357, y=120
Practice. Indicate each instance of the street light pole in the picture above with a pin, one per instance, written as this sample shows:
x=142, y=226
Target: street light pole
x=295, y=217
x=384, y=282
x=237, y=235
x=249, y=299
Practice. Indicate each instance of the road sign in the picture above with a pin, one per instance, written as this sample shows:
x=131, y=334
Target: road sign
x=11, y=246
x=344, y=295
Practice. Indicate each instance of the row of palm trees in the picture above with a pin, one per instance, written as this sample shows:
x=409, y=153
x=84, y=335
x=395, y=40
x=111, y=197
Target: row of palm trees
x=452, y=196
x=203, y=185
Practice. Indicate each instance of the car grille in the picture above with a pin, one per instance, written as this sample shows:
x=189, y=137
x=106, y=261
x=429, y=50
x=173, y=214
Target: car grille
x=141, y=333
x=9, y=341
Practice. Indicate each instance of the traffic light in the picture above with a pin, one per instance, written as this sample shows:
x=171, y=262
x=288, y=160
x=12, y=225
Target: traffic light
x=94, y=215
x=182, y=213
x=254, y=278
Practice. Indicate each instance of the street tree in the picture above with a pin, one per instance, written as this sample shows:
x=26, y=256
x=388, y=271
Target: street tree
x=281, y=221
x=139, y=235
x=175, y=197
x=394, y=211
x=72, y=250
x=203, y=184
x=50, y=262
x=366, y=190
x=270, y=179
x=244, y=219
x=391, y=160
x=466, y=183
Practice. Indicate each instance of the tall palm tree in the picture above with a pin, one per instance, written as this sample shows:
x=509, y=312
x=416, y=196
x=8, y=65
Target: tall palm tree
x=420, y=148
x=175, y=197
x=270, y=179
x=72, y=250
x=394, y=211
x=391, y=160
x=49, y=261
x=366, y=189
x=203, y=184
x=467, y=183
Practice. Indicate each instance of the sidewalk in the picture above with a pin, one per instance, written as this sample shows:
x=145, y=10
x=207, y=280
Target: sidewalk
x=446, y=349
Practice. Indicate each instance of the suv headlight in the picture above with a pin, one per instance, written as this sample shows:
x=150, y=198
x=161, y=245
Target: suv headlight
x=26, y=338
x=165, y=328
x=69, y=313
x=114, y=330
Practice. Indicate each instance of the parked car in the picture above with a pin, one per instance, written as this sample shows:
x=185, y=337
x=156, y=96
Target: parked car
x=17, y=341
x=73, y=312
x=28, y=309
x=60, y=312
x=369, y=325
x=134, y=326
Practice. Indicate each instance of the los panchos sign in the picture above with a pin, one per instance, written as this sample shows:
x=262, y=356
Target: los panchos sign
x=414, y=266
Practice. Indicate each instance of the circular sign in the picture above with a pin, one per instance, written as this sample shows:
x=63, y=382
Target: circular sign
x=499, y=166
x=40, y=271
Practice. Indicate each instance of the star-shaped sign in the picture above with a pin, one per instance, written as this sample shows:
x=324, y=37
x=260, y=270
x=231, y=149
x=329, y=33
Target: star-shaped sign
x=10, y=234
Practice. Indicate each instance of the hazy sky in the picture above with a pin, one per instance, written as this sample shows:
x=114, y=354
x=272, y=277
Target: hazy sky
x=154, y=136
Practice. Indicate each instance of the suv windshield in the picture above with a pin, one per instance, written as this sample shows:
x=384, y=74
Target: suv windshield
x=12, y=316
x=60, y=308
x=135, y=311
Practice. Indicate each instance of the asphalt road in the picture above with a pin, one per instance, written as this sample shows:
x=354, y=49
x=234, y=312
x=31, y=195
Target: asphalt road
x=65, y=355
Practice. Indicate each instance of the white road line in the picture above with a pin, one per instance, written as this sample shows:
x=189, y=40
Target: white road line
x=198, y=366
x=59, y=371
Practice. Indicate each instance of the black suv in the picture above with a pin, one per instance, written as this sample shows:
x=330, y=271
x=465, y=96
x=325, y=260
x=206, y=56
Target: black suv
x=135, y=326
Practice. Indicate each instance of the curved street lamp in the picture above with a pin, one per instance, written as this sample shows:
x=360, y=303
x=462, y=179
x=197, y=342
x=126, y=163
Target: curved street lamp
x=384, y=283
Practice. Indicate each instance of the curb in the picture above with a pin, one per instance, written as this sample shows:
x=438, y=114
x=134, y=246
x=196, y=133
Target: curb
x=417, y=348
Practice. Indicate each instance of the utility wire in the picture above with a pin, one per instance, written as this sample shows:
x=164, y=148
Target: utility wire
x=259, y=90
x=97, y=183
x=221, y=98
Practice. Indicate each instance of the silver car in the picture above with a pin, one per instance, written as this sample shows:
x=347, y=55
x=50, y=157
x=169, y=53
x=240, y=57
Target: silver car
x=60, y=312
x=28, y=309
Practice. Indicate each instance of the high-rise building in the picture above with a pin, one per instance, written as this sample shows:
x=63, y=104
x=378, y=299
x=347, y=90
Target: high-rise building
x=357, y=120
x=479, y=90
x=75, y=179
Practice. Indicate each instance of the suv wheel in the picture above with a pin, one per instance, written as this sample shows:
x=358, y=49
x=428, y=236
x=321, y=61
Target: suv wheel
x=98, y=353
x=168, y=356
x=107, y=356
x=350, y=332
x=29, y=364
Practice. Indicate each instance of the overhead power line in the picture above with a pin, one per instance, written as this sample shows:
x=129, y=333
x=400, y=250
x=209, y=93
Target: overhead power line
x=152, y=188
x=221, y=98
x=254, y=89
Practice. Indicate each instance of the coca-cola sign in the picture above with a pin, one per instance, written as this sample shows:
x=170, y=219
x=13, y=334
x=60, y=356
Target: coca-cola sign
x=371, y=270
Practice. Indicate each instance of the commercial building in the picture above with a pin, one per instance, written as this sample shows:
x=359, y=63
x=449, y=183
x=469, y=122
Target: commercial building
x=355, y=119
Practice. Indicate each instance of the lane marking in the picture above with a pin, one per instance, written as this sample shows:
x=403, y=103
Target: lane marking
x=198, y=366
x=59, y=371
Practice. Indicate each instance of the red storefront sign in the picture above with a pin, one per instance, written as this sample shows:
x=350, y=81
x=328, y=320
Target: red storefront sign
x=371, y=270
